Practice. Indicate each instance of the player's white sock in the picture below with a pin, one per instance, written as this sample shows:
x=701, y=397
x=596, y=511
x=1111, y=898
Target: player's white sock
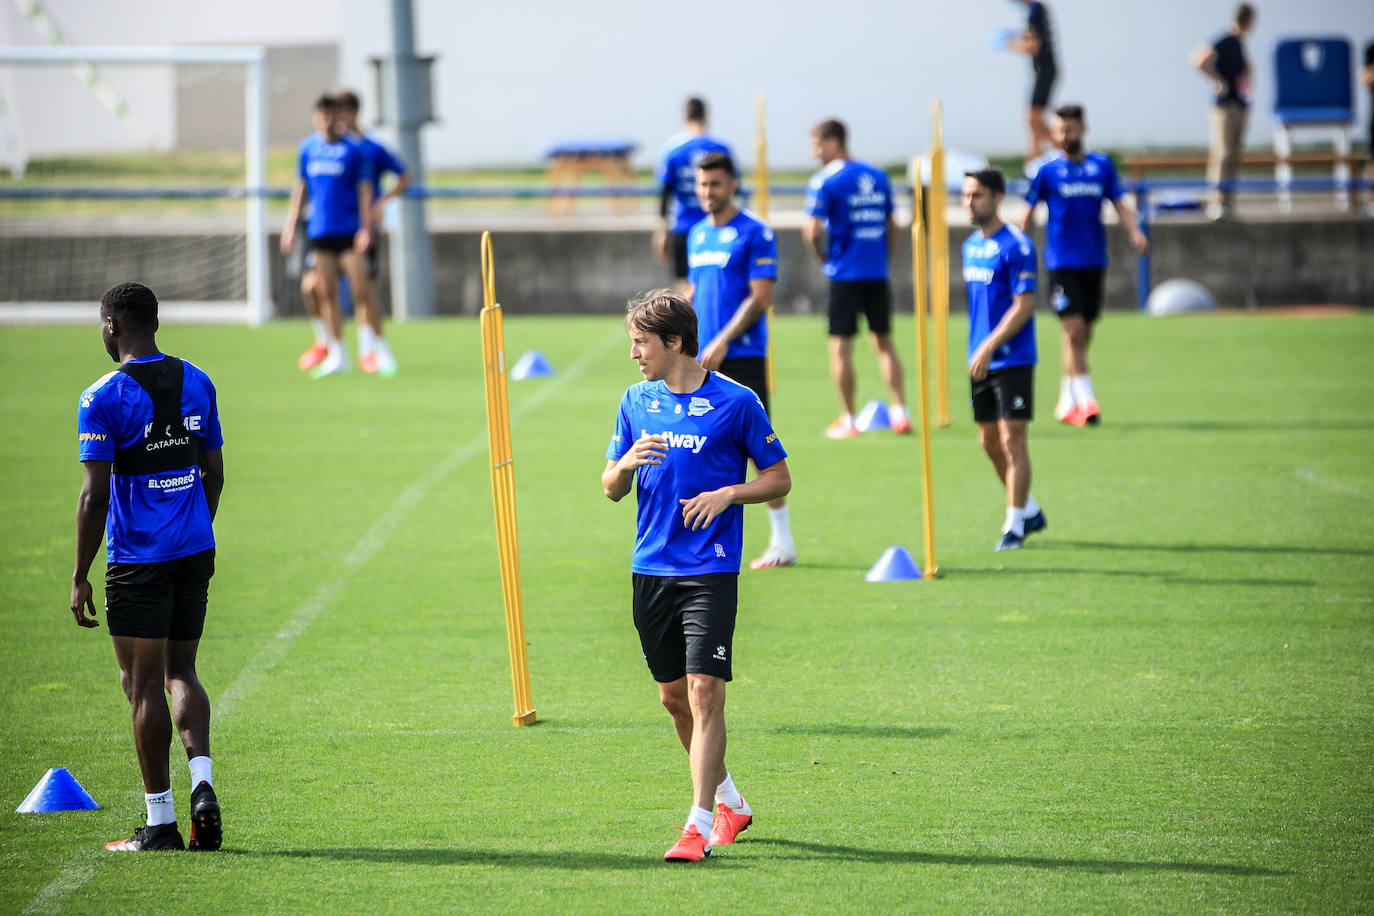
x=321, y=332
x=1065, y=403
x=1016, y=521
x=1083, y=390
x=701, y=819
x=160, y=808
x=200, y=771
x=1032, y=507
x=366, y=339
x=782, y=529
x=727, y=794
x=896, y=413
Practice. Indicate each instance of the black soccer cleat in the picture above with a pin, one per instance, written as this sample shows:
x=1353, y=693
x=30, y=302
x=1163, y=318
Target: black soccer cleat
x=206, y=834
x=1036, y=522
x=146, y=839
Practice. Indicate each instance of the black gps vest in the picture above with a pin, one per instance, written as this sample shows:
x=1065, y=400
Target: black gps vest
x=166, y=444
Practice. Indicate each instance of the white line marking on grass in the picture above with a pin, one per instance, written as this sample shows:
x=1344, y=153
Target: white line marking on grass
x=1308, y=475
x=81, y=867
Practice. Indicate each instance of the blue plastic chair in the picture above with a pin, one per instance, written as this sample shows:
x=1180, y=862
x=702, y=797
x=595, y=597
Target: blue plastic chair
x=1313, y=89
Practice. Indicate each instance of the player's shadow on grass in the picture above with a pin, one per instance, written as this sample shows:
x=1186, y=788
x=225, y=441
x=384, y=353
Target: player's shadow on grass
x=846, y=730
x=528, y=858
x=1153, y=575
x=1217, y=548
x=797, y=849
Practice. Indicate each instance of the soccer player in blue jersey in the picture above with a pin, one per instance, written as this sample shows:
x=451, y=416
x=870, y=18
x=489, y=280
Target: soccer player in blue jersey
x=850, y=202
x=374, y=353
x=732, y=261
x=149, y=441
x=683, y=438
x=1000, y=269
x=1073, y=185
x=336, y=176
x=678, y=208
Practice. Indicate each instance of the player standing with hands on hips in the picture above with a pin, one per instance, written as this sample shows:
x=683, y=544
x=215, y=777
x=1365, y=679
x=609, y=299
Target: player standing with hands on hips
x=1073, y=185
x=150, y=443
x=684, y=437
x=1000, y=269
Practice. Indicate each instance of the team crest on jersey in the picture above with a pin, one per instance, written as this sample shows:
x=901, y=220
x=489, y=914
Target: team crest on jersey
x=727, y=235
x=699, y=407
x=865, y=183
x=87, y=400
x=653, y=406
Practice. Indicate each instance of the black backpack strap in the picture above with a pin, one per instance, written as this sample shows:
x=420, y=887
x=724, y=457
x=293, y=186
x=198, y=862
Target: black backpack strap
x=166, y=444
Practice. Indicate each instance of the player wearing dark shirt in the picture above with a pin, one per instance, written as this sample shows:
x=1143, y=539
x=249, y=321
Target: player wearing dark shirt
x=1224, y=63
x=683, y=438
x=149, y=442
x=1074, y=185
x=1037, y=42
x=1000, y=271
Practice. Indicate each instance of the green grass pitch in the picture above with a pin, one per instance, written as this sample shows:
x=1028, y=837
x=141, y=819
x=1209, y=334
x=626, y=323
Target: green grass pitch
x=1165, y=703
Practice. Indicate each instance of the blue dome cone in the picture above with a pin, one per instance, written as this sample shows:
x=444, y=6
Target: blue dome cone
x=894, y=565
x=58, y=790
x=873, y=416
x=532, y=365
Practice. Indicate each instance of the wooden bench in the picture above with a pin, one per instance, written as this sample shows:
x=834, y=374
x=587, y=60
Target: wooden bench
x=569, y=160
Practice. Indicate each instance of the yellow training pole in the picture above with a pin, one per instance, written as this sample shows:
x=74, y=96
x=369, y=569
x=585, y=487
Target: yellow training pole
x=503, y=485
x=939, y=262
x=918, y=275
x=761, y=205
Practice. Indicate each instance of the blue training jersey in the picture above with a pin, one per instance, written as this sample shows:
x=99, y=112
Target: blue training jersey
x=152, y=517
x=677, y=169
x=332, y=172
x=855, y=200
x=712, y=433
x=1074, y=193
x=996, y=269
x=721, y=260
x=382, y=160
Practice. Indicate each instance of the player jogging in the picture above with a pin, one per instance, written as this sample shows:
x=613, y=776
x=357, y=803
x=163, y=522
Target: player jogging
x=1073, y=185
x=999, y=269
x=337, y=178
x=852, y=202
x=732, y=260
x=683, y=438
x=1037, y=43
x=374, y=354
x=150, y=441
x=677, y=181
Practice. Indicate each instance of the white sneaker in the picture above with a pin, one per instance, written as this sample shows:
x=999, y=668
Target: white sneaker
x=336, y=363
x=386, y=363
x=775, y=556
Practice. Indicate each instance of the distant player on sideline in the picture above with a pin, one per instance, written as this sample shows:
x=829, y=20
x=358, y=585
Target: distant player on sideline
x=677, y=180
x=851, y=202
x=1000, y=269
x=684, y=437
x=732, y=259
x=150, y=442
x=1073, y=185
x=336, y=176
x=374, y=354
x=1037, y=42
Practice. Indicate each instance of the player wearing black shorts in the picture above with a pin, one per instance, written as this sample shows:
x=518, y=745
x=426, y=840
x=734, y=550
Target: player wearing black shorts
x=150, y=441
x=1037, y=42
x=678, y=208
x=1000, y=271
x=682, y=439
x=849, y=202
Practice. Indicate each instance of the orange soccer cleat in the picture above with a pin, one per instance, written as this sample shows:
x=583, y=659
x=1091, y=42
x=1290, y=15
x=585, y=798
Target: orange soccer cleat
x=842, y=429
x=690, y=847
x=312, y=357
x=728, y=824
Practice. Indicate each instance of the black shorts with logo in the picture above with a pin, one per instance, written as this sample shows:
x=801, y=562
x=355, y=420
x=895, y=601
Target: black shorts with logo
x=1043, y=86
x=850, y=297
x=677, y=250
x=336, y=244
x=1077, y=291
x=686, y=624
x=752, y=373
x=159, y=600
x=1005, y=394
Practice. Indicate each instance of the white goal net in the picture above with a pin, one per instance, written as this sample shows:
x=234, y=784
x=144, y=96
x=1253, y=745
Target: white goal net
x=143, y=164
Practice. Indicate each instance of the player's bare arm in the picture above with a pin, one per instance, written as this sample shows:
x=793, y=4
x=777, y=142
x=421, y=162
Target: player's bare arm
x=399, y=188
x=1126, y=213
x=772, y=482
x=811, y=231
x=363, y=238
x=92, y=507
x=754, y=305
x=293, y=215
x=212, y=478
x=619, y=475
x=1023, y=307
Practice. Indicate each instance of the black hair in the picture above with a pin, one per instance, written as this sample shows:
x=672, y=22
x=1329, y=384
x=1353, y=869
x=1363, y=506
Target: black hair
x=348, y=100
x=665, y=313
x=696, y=109
x=832, y=129
x=991, y=179
x=133, y=304
x=326, y=102
x=1070, y=113
x=718, y=160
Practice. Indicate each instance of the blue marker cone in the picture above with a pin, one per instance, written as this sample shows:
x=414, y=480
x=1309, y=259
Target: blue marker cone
x=873, y=416
x=532, y=365
x=58, y=790
x=894, y=565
